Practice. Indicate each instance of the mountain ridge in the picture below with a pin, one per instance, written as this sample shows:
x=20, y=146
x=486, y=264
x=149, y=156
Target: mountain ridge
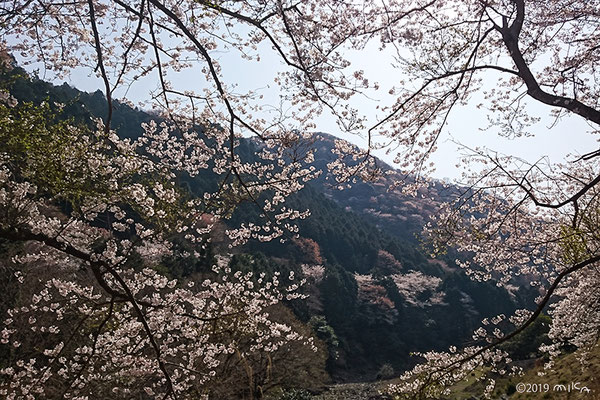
x=380, y=297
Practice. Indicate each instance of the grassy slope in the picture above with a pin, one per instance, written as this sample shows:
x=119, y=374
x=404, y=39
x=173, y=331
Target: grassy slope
x=567, y=371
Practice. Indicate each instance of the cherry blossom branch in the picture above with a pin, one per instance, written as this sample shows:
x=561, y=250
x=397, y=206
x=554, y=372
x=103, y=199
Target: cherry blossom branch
x=510, y=36
x=141, y=17
x=438, y=373
x=21, y=236
x=84, y=365
x=98, y=45
x=528, y=189
x=136, y=36
x=540, y=307
x=151, y=337
x=155, y=47
x=258, y=24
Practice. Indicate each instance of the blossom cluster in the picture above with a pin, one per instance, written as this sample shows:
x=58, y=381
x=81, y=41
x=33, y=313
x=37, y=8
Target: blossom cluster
x=88, y=342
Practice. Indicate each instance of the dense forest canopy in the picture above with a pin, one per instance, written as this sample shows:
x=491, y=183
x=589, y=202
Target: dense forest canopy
x=104, y=210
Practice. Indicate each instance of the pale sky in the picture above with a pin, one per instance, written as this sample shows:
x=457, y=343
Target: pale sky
x=569, y=136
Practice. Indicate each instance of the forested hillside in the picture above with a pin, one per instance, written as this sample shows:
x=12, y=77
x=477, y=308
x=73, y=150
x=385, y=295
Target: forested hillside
x=198, y=228
x=374, y=294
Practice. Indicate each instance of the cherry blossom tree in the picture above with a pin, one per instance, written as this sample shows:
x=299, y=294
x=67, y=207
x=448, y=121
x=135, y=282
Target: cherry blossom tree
x=128, y=330
x=123, y=200
x=516, y=218
x=120, y=328
x=94, y=317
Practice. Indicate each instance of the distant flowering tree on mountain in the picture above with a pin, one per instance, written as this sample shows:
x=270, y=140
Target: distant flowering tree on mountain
x=96, y=212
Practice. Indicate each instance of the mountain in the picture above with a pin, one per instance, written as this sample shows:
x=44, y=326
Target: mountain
x=375, y=297
x=390, y=210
